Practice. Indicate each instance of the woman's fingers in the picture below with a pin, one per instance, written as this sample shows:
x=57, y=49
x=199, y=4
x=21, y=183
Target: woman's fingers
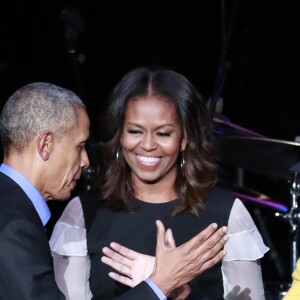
x=123, y=269
x=122, y=279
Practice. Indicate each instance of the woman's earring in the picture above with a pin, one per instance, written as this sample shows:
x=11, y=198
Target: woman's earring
x=119, y=160
x=182, y=161
x=117, y=155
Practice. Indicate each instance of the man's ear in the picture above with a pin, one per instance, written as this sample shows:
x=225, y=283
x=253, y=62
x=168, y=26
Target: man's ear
x=44, y=144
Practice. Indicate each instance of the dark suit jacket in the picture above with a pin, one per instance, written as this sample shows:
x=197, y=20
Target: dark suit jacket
x=26, y=270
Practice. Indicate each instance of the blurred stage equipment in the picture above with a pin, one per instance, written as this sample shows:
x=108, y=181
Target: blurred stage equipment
x=293, y=216
x=74, y=26
x=224, y=127
x=91, y=174
x=254, y=197
x=261, y=155
x=246, y=150
x=226, y=30
x=88, y=176
x=243, y=148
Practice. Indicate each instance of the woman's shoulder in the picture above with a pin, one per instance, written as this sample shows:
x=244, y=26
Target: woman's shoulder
x=219, y=194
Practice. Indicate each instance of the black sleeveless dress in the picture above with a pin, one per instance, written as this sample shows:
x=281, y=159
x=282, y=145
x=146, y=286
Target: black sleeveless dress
x=137, y=231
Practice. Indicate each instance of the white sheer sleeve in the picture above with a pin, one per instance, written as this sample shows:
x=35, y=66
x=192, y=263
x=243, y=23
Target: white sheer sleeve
x=69, y=251
x=242, y=278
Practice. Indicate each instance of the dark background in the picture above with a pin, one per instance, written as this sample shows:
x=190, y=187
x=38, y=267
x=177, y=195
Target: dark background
x=88, y=45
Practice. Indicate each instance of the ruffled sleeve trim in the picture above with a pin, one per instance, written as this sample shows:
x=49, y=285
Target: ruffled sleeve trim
x=245, y=242
x=69, y=233
x=247, y=245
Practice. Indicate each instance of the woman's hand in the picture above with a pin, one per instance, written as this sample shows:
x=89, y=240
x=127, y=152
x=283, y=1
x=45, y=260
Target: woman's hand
x=173, y=267
x=136, y=266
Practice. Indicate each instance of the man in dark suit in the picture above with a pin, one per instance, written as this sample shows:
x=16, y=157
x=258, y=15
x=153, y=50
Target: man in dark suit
x=44, y=129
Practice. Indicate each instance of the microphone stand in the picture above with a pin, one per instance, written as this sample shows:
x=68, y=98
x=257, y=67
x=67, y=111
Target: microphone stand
x=222, y=65
x=293, y=216
x=74, y=27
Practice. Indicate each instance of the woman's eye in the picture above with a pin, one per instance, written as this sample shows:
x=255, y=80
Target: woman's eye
x=163, y=134
x=134, y=131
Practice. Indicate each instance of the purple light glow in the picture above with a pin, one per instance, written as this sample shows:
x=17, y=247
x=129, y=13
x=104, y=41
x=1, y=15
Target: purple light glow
x=263, y=201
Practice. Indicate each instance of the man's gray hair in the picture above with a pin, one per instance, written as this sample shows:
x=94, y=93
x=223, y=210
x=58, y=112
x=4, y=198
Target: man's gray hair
x=34, y=108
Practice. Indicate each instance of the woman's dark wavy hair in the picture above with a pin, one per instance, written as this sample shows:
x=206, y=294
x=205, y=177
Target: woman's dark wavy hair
x=199, y=173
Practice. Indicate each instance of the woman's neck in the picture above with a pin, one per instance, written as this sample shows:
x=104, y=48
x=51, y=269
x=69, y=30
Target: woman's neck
x=154, y=192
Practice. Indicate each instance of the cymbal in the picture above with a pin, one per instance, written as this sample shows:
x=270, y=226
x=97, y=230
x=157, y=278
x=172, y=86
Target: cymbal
x=223, y=126
x=254, y=197
x=265, y=156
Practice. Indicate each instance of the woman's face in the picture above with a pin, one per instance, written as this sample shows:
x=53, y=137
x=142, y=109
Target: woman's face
x=151, y=139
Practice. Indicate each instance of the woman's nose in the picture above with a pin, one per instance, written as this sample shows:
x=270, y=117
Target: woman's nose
x=148, y=143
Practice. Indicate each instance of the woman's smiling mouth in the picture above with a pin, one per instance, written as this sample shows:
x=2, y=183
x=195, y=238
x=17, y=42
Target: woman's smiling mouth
x=149, y=161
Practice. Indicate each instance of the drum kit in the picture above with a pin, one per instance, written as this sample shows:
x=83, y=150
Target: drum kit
x=243, y=150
